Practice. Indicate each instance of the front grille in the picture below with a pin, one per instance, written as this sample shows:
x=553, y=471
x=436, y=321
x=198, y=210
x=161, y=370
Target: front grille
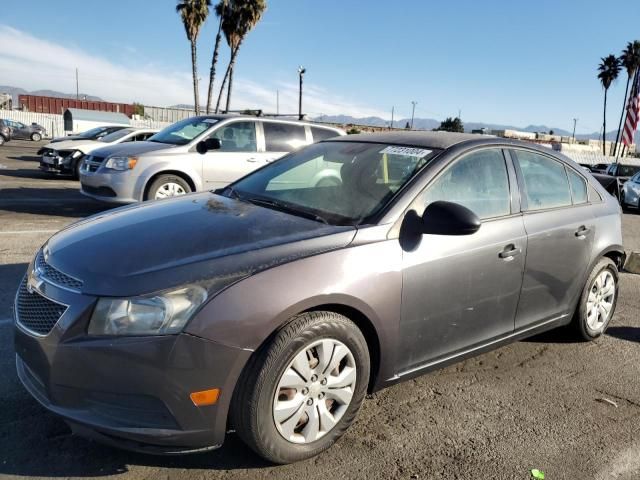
x=92, y=163
x=50, y=274
x=35, y=312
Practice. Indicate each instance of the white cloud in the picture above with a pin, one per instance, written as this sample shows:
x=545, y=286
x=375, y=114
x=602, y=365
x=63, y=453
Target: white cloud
x=33, y=63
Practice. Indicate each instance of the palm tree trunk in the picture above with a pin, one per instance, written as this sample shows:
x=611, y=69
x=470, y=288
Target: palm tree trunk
x=224, y=84
x=212, y=73
x=604, y=124
x=194, y=72
x=232, y=64
x=624, y=104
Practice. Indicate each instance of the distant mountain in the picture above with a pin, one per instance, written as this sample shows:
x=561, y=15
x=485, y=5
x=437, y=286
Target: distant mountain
x=15, y=91
x=431, y=123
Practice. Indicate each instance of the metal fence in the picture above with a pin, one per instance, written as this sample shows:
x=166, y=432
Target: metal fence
x=167, y=114
x=592, y=158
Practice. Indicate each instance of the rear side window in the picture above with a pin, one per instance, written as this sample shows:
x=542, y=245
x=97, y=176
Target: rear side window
x=479, y=181
x=545, y=181
x=322, y=133
x=578, y=187
x=283, y=137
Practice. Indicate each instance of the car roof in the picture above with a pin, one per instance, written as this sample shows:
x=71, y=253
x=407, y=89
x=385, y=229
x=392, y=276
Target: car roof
x=268, y=118
x=439, y=140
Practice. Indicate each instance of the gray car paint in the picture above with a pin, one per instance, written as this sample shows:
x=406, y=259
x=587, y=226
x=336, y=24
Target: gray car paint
x=267, y=279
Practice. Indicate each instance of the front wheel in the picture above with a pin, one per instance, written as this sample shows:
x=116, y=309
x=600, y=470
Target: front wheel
x=166, y=186
x=598, y=300
x=36, y=137
x=301, y=391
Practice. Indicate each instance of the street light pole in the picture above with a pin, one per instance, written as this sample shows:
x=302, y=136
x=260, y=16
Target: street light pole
x=575, y=120
x=301, y=72
x=392, y=110
x=413, y=111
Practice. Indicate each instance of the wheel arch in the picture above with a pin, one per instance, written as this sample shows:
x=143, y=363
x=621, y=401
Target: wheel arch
x=177, y=173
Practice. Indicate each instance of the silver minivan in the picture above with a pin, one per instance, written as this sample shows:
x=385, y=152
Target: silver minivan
x=168, y=164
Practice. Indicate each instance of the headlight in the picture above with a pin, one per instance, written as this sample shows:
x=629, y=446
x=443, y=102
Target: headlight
x=160, y=314
x=121, y=163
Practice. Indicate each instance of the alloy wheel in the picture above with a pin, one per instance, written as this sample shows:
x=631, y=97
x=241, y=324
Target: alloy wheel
x=600, y=300
x=314, y=391
x=169, y=189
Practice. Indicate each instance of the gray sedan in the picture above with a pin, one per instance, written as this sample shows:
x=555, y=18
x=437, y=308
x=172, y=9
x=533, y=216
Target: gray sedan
x=22, y=131
x=272, y=306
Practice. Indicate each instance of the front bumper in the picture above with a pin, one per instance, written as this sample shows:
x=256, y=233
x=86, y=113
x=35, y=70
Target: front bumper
x=112, y=187
x=132, y=392
x=58, y=164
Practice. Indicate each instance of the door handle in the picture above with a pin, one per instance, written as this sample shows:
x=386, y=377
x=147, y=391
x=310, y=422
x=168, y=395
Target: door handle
x=582, y=231
x=252, y=160
x=509, y=252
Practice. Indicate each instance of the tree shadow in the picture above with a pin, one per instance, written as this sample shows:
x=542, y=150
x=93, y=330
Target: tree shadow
x=631, y=334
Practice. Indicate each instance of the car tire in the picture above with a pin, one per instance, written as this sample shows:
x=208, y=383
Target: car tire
x=77, y=167
x=269, y=384
x=623, y=203
x=597, y=302
x=1, y=140
x=36, y=137
x=166, y=186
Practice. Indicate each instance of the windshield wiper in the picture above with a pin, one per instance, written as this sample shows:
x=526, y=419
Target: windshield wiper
x=283, y=207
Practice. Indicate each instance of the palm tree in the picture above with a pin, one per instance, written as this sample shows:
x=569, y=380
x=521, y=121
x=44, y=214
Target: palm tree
x=193, y=14
x=220, y=10
x=239, y=18
x=608, y=71
x=630, y=60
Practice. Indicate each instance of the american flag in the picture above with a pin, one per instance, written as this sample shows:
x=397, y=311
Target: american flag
x=633, y=110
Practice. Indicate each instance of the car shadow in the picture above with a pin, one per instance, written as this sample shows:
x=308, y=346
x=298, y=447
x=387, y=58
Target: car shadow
x=631, y=334
x=29, y=173
x=59, y=202
x=561, y=335
x=26, y=158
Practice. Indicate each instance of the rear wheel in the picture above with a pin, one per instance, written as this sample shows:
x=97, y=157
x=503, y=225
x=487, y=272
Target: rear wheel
x=302, y=390
x=166, y=186
x=598, y=300
x=36, y=137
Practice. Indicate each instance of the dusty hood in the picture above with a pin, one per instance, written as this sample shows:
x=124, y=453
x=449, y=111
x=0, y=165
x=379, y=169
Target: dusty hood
x=158, y=245
x=82, y=145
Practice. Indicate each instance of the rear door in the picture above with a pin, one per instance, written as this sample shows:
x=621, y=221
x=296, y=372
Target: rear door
x=560, y=230
x=237, y=156
x=462, y=291
x=281, y=138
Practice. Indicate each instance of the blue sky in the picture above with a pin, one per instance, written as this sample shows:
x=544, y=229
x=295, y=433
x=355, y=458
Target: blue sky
x=498, y=61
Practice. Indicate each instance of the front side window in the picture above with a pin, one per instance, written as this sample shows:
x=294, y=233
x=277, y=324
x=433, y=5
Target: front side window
x=237, y=137
x=283, y=137
x=339, y=182
x=478, y=181
x=578, y=187
x=545, y=181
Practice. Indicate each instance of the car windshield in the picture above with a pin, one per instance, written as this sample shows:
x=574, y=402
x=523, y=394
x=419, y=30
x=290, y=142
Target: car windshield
x=93, y=133
x=345, y=183
x=117, y=135
x=182, y=132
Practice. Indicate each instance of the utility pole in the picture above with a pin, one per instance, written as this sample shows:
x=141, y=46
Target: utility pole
x=301, y=72
x=413, y=111
x=277, y=102
x=459, y=114
x=77, y=89
x=392, y=111
x=575, y=120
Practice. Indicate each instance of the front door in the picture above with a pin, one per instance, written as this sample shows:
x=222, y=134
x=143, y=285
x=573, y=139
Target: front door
x=461, y=291
x=560, y=230
x=237, y=156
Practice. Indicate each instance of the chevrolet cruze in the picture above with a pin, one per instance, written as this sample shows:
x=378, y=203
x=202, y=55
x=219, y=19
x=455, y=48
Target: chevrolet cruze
x=273, y=305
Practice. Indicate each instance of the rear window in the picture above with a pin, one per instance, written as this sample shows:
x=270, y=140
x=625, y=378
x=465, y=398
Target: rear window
x=322, y=133
x=283, y=137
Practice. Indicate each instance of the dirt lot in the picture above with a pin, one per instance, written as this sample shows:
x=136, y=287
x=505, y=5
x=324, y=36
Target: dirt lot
x=534, y=404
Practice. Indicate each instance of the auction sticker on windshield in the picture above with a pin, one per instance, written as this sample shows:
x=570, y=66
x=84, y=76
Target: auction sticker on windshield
x=406, y=151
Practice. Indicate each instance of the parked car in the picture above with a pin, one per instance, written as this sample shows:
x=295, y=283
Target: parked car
x=599, y=167
x=630, y=196
x=67, y=157
x=169, y=164
x=21, y=131
x=5, y=132
x=273, y=311
x=93, y=134
x=621, y=173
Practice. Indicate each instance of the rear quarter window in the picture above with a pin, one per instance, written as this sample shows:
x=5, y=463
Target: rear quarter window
x=322, y=133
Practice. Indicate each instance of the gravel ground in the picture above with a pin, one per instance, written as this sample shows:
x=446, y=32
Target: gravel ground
x=568, y=408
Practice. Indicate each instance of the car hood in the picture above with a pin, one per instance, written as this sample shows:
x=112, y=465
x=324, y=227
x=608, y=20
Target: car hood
x=76, y=145
x=203, y=237
x=132, y=148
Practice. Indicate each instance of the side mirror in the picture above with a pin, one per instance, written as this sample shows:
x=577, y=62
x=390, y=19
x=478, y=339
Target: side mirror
x=209, y=144
x=447, y=218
